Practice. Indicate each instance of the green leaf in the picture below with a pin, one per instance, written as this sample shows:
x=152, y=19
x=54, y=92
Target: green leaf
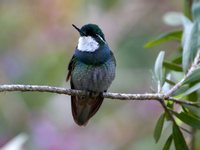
x=167, y=86
x=190, y=41
x=191, y=89
x=194, y=110
x=188, y=119
x=195, y=76
x=196, y=10
x=174, y=35
x=168, y=143
x=187, y=8
x=193, y=97
x=172, y=66
x=179, y=140
x=158, y=68
x=172, y=18
x=181, y=90
x=159, y=127
x=177, y=60
x=170, y=82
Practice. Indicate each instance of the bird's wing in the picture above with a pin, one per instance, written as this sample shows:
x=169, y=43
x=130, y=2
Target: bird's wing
x=112, y=57
x=83, y=108
x=71, y=67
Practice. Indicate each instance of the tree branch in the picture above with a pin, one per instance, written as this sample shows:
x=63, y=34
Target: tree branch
x=61, y=90
x=190, y=71
x=119, y=96
x=181, y=101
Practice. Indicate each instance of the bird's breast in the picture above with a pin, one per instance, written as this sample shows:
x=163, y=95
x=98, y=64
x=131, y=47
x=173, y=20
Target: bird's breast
x=93, y=78
x=98, y=57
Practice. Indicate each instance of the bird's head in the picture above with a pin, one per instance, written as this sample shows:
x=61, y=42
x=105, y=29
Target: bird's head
x=91, y=37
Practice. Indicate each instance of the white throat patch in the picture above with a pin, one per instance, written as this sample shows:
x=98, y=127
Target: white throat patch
x=87, y=44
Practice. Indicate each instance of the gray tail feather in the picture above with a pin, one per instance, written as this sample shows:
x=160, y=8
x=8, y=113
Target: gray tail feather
x=83, y=108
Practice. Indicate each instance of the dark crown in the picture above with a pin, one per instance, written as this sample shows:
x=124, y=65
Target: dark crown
x=91, y=30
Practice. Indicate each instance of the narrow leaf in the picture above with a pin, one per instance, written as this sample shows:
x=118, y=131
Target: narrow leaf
x=168, y=143
x=191, y=89
x=187, y=8
x=196, y=10
x=167, y=86
x=158, y=68
x=194, y=110
x=188, y=119
x=179, y=140
x=177, y=60
x=195, y=76
x=159, y=127
x=170, y=82
x=172, y=66
x=172, y=18
x=181, y=90
x=174, y=35
x=189, y=42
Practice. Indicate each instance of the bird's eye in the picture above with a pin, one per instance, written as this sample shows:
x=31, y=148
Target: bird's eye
x=100, y=38
x=83, y=33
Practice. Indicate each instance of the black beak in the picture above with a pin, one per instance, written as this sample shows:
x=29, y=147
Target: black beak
x=78, y=29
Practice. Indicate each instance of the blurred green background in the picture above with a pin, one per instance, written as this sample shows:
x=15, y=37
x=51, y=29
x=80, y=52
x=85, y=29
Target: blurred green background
x=36, y=44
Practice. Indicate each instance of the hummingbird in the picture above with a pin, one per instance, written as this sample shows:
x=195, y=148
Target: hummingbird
x=91, y=68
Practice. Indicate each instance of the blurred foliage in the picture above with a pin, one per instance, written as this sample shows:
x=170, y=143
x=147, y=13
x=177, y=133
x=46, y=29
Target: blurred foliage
x=52, y=73
x=105, y=4
x=189, y=69
x=130, y=45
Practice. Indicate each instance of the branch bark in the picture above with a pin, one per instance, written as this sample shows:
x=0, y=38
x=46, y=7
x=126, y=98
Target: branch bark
x=119, y=96
x=190, y=71
x=61, y=90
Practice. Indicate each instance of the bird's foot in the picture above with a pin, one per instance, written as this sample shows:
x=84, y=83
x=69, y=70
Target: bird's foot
x=93, y=94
